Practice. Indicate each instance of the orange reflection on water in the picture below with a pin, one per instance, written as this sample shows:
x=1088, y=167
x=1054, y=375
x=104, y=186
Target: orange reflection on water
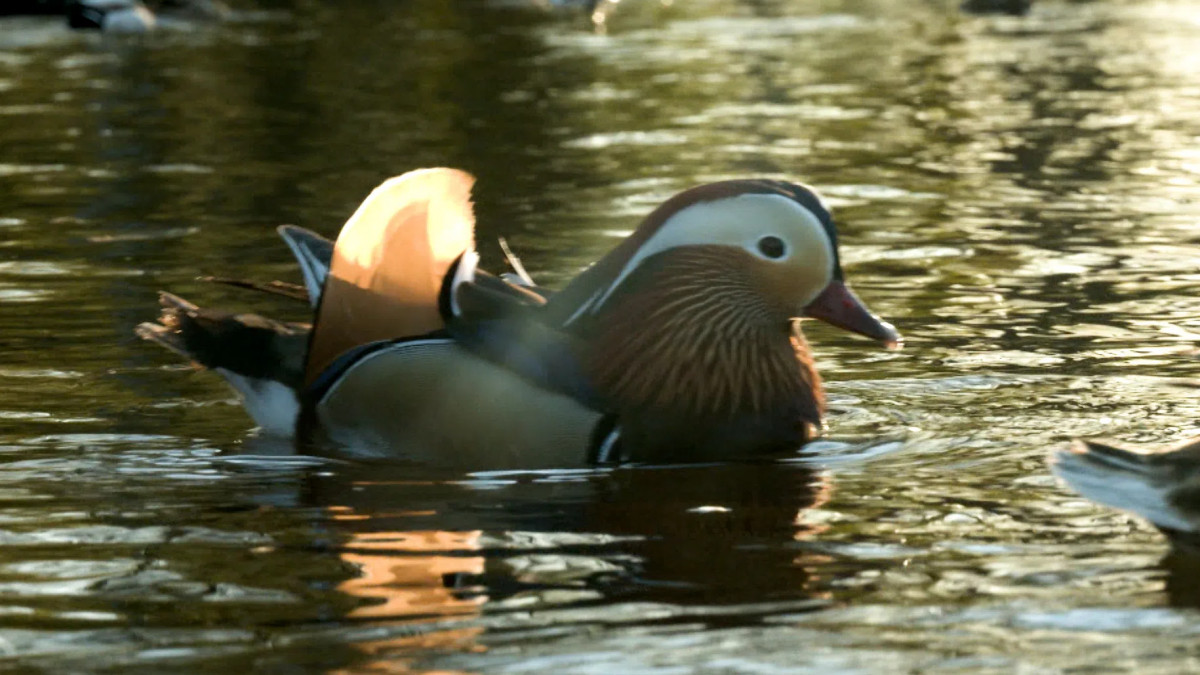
x=822, y=492
x=403, y=574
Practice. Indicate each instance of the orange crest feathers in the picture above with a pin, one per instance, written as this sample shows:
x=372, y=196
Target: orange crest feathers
x=389, y=262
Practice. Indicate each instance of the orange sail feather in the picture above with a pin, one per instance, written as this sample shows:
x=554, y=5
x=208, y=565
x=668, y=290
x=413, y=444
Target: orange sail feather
x=389, y=262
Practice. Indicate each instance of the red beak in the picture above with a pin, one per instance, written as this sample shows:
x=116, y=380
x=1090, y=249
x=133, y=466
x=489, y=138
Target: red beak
x=838, y=306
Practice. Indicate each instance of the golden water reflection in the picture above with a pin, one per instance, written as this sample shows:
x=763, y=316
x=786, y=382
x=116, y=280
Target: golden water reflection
x=404, y=576
x=558, y=543
x=407, y=572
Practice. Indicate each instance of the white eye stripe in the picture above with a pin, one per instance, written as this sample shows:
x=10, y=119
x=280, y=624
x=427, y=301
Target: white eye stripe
x=726, y=221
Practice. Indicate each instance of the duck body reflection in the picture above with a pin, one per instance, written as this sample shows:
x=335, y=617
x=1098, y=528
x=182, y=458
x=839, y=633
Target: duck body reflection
x=682, y=541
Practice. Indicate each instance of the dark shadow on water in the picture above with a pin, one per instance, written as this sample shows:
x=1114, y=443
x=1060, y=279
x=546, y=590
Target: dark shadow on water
x=1182, y=567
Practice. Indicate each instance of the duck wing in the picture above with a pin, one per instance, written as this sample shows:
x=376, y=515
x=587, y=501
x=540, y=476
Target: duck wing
x=1162, y=487
x=504, y=321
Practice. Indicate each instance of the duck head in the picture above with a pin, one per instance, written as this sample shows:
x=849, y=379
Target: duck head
x=773, y=241
x=696, y=314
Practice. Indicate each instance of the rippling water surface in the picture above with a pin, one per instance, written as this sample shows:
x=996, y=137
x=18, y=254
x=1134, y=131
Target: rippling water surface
x=1019, y=195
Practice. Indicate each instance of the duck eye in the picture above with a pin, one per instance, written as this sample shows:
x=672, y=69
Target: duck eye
x=772, y=247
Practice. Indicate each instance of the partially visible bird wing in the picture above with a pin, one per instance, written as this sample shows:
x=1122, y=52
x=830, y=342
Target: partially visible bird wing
x=1159, y=486
x=390, y=261
x=502, y=321
x=533, y=350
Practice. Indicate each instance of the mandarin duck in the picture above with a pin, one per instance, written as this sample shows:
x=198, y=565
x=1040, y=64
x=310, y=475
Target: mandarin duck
x=1162, y=486
x=682, y=343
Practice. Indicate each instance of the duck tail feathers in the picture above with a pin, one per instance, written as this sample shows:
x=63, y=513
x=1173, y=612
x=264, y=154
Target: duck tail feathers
x=166, y=332
x=260, y=358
